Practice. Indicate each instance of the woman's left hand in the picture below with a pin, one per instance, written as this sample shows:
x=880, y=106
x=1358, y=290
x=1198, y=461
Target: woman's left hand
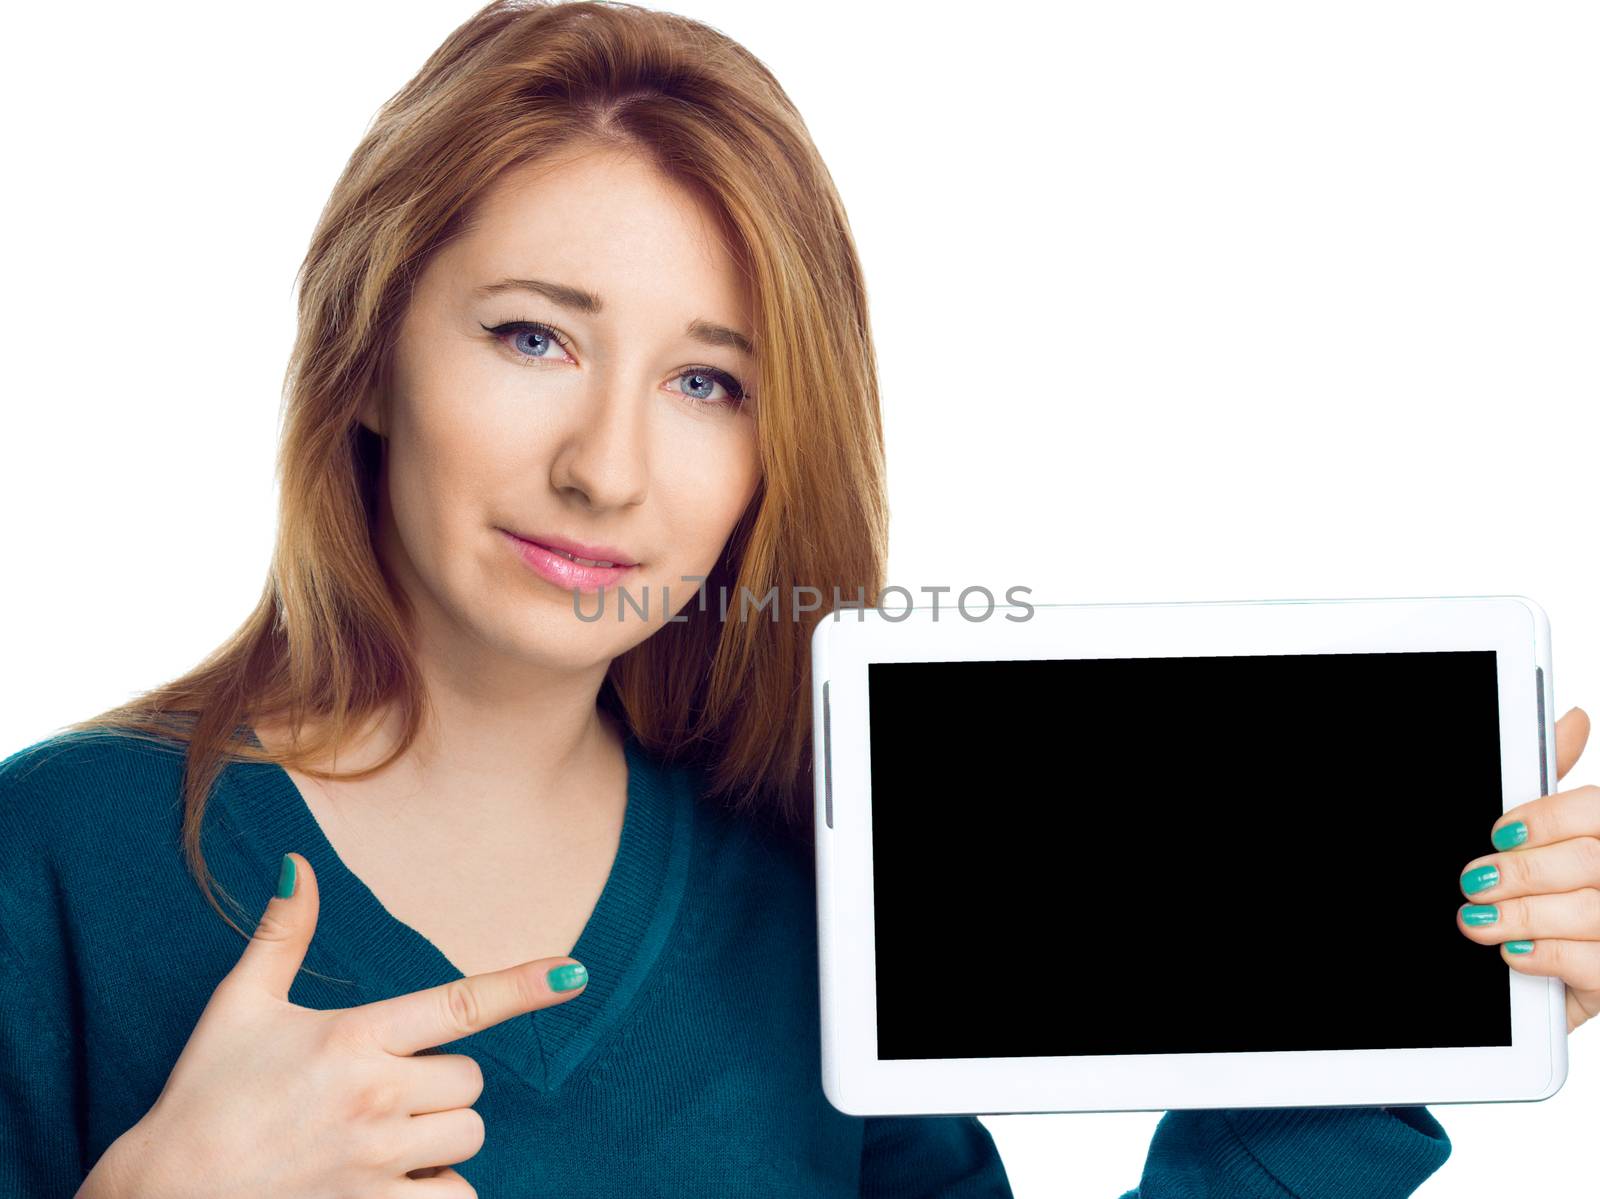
x=1542, y=904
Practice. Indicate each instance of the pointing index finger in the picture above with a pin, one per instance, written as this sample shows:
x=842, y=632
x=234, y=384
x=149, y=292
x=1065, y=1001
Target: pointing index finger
x=407, y=1024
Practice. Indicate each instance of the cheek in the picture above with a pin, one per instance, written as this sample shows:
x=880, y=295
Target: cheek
x=468, y=422
x=443, y=460
x=708, y=487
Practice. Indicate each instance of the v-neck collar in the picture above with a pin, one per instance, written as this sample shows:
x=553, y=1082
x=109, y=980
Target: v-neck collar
x=363, y=941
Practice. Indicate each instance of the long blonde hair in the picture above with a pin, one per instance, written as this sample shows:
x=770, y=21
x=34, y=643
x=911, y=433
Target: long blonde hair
x=327, y=644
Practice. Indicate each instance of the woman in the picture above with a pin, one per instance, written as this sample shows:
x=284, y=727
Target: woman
x=584, y=293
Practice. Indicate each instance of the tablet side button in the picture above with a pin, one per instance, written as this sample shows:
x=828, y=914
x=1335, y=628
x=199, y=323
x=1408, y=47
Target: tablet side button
x=827, y=753
x=1538, y=690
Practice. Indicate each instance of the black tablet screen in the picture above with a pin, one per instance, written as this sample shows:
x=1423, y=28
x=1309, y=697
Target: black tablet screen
x=1183, y=855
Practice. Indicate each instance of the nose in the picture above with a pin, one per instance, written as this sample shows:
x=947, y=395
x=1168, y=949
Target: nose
x=603, y=460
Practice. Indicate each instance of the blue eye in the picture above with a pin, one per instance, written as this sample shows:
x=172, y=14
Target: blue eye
x=546, y=335
x=544, y=338
x=709, y=379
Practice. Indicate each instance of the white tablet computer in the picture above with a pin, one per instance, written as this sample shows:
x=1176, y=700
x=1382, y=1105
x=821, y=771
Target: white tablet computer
x=1119, y=857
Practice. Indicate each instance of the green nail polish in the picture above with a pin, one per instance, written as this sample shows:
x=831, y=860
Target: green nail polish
x=1512, y=835
x=1480, y=879
x=1480, y=913
x=286, y=877
x=568, y=978
x=1519, y=946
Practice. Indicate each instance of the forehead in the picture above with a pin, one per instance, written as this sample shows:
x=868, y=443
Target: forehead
x=609, y=221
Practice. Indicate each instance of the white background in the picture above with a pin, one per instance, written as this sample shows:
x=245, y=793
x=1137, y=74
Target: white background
x=1173, y=302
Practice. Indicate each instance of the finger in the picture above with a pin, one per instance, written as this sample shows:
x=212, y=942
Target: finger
x=1572, y=731
x=1559, y=816
x=463, y=1006
x=1545, y=869
x=1570, y=915
x=442, y=1138
x=437, y=1182
x=1577, y=963
x=278, y=945
x=439, y=1082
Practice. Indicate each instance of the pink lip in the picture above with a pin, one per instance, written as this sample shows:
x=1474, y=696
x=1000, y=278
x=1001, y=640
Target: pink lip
x=564, y=572
x=596, y=553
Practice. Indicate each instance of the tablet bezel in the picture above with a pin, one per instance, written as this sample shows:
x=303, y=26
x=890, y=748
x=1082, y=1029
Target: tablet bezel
x=845, y=641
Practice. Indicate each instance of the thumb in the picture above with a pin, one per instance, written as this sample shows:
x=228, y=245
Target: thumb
x=1572, y=734
x=278, y=946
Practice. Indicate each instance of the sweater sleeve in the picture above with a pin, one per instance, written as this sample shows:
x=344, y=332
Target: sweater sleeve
x=40, y=1143
x=930, y=1157
x=1309, y=1153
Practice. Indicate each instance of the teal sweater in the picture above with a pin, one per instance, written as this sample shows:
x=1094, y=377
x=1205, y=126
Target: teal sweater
x=690, y=1066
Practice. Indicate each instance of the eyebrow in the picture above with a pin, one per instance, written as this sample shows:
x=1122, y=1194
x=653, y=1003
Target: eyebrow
x=706, y=332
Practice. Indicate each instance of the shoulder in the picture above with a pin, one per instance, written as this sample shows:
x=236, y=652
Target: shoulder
x=750, y=842
x=53, y=790
x=82, y=760
x=76, y=750
x=87, y=817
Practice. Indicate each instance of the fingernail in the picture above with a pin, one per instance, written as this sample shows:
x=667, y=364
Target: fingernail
x=1510, y=836
x=1519, y=946
x=1480, y=913
x=568, y=978
x=1480, y=879
x=286, y=877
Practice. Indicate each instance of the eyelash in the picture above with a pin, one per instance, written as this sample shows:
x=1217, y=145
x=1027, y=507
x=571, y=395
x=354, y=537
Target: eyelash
x=734, y=388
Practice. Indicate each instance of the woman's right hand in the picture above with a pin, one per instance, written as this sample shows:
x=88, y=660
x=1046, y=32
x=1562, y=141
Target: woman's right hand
x=271, y=1099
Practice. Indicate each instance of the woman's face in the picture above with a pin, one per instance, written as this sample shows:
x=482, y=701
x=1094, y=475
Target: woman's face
x=628, y=436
